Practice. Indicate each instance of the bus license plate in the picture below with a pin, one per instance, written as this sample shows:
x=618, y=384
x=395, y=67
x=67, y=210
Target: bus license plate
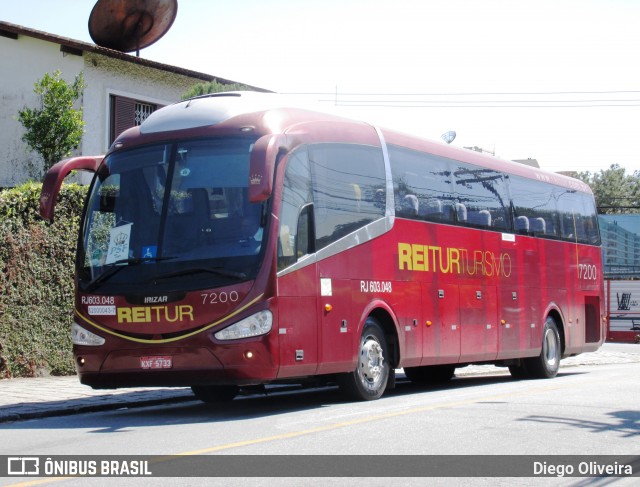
x=156, y=362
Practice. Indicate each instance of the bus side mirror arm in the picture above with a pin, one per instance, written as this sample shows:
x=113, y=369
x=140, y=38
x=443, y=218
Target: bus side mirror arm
x=55, y=176
x=262, y=165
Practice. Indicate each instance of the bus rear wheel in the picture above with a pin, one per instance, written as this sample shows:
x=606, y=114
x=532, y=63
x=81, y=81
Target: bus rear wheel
x=215, y=394
x=369, y=380
x=546, y=365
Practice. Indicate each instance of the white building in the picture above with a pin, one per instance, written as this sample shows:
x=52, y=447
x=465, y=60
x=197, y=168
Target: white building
x=121, y=90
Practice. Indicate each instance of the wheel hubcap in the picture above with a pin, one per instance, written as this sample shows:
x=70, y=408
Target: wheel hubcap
x=550, y=348
x=371, y=361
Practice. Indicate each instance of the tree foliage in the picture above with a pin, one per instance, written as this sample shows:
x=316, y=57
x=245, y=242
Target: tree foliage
x=54, y=128
x=615, y=190
x=213, y=87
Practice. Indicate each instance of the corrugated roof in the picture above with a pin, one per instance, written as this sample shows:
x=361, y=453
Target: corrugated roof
x=10, y=30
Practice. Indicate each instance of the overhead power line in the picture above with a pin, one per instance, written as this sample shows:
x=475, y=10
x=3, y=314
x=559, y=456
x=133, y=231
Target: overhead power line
x=332, y=93
x=476, y=99
x=486, y=104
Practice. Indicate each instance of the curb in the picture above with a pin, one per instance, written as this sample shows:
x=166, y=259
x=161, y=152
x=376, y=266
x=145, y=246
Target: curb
x=75, y=406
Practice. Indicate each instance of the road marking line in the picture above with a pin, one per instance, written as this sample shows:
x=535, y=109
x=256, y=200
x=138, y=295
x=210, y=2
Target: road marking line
x=368, y=419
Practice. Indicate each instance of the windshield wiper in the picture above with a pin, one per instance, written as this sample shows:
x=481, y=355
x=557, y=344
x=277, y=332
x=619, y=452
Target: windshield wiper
x=117, y=266
x=218, y=271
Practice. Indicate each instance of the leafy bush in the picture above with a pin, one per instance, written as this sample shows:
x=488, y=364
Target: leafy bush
x=53, y=128
x=36, y=284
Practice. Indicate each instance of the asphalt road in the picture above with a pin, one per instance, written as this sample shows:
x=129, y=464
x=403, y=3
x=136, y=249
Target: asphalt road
x=586, y=410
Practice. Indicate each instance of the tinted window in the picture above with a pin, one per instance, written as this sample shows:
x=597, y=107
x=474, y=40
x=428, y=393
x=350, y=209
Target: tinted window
x=348, y=189
x=482, y=199
x=422, y=185
x=554, y=212
x=535, y=207
x=295, y=195
x=578, y=217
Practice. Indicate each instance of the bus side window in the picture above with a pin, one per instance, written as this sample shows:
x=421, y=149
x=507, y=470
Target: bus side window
x=590, y=220
x=285, y=249
x=305, y=236
x=537, y=203
x=348, y=189
x=577, y=215
x=295, y=209
x=481, y=196
x=421, y=185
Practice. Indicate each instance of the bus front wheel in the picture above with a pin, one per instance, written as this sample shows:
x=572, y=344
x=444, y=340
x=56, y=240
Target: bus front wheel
x=369, y=380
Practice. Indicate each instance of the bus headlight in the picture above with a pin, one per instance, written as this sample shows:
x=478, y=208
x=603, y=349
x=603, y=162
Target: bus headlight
x=253, y=326
x=80, y=336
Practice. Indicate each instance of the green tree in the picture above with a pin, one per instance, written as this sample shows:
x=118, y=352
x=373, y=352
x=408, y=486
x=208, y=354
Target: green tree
x=213, y=87
x=54, y=128
x=615, y=190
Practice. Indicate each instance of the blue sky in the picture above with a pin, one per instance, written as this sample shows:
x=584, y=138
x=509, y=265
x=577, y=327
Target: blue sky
x=558, y=81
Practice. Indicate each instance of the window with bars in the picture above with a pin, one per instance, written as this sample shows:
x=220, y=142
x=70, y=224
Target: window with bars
x=126, y=113
x=142, y=111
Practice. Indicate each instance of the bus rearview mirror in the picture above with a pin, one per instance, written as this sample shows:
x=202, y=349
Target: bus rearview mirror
x=55, y=176
x=262, y=164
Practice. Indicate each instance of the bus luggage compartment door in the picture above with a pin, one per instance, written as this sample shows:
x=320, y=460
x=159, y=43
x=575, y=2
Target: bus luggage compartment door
x=441, y=314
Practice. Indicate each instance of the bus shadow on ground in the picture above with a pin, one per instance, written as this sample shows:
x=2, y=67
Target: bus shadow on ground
x=183, y=408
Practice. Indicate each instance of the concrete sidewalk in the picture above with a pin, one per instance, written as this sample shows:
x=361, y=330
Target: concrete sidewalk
x=56, y=396
x=41, y=397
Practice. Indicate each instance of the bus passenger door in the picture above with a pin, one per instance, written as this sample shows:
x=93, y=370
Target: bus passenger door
x=298, y=272
x=337, y=325
x=298, y=322
x=441, y=314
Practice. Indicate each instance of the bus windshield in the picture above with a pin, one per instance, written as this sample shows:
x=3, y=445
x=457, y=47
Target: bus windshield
x=168, y=213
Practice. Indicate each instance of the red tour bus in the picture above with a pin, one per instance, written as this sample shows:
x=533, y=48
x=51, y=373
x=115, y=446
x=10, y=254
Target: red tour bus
x=229, y=241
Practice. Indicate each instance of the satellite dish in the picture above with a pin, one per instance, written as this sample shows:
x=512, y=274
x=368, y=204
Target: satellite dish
x=130, y=25
x=449, y=136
